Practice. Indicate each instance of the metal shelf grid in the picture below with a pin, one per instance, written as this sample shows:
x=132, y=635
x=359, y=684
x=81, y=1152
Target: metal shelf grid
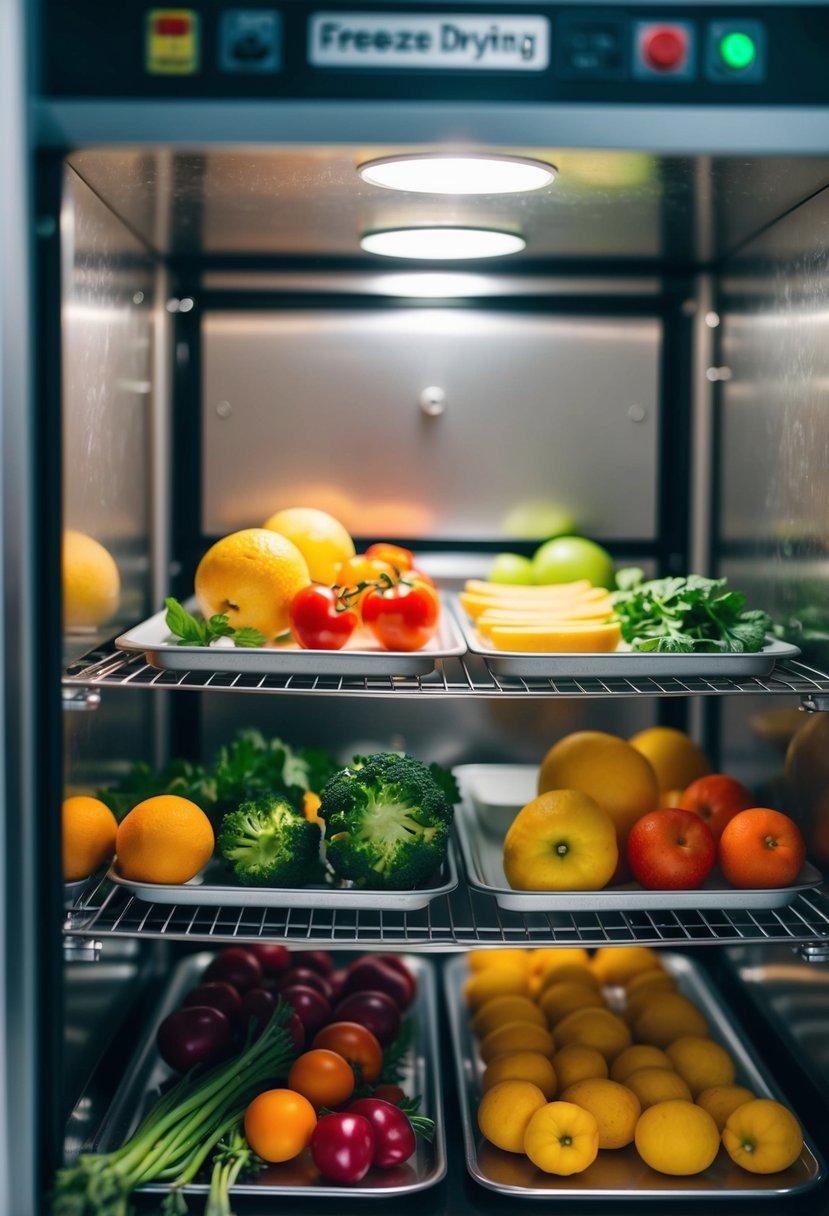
x=457, y=921
x=464, y=677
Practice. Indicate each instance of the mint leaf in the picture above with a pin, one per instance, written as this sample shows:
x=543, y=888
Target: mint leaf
x=219, y=626
x=183, y=626
x=246, y=636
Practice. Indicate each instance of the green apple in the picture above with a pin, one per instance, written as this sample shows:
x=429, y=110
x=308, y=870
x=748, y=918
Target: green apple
x=537, y=520
x=511, y=568
x=569, y=558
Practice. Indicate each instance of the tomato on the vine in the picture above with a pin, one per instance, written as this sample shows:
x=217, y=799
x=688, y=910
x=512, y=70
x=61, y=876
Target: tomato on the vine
x=402, y=559
x=320, y=620
x=356, y=575
x=403, y=616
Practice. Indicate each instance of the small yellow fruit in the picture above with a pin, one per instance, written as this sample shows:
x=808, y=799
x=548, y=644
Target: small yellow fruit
x=676, y=759
x=516, y=1036
x=559, y=1000
x=615, y=1108
x=562, y=1139
x=91, y=582
x=597, y=1028
x=506, y=1110
x=321, y=539
x=503, y=1009
x=763, y=1137
x=575, y=1062
x=549, y=959
x=677, y=1138
x=722, y=1100
x=496, y=981
x=615, y=965
x=701, y=1063
x=165, y=839
x=638, y=1056
x=653, y=1085
x=251, y=576
x=522, y=1066
x=88, y=836
x=482, y=960
x=572, y=973
x=665, y=1017
x=649, y=981
x=561, y=841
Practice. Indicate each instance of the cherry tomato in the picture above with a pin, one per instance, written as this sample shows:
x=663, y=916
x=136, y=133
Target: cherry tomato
x=355, y=1044
x=395, y=555
x=389, y=1093
x=362, y=569
x=319, y=620
x=343, y=1147
x=394, y=1139
x=279, y=1124
x=402, y=617
x=323, y=1077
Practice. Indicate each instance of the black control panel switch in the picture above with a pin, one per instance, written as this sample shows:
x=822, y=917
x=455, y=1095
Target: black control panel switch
x=591, y=48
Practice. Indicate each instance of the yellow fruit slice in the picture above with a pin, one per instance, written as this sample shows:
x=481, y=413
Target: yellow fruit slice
x=565, y=639
x=601, y=614
x=477, y=586
x=474, y=604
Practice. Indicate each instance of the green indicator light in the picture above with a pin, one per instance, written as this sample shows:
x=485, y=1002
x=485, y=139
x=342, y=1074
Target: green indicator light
x=738, y=51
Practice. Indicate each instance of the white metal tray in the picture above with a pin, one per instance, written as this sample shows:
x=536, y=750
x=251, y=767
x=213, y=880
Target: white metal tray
x=620, y=664
x=146, y=1072
x=482, y=851
x=620, y=1174
x=211, y=888
x=361, y=656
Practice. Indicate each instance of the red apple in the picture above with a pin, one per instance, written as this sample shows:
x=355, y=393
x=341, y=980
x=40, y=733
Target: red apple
x=717, y=798
x=671, y=849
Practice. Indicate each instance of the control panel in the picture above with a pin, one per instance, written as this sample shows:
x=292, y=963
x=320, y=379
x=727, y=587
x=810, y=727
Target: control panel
x=675, y=54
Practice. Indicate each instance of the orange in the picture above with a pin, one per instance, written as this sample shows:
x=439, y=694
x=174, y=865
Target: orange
x=640, y=1055
x=522, y=1066
x=701, y=1063
x=607, y=769
x=252, y=576
x=722, y=1100
x=761, y=848
x=562, y=1138
x=279, y=1124
x=677, y=1138
x=91, y=583
x=165, y=839
x=505, y=1110
x=597, y=1028
x=618, y=964
x=652, y=1085
x=661, y=1017
x=321, y=539
x=88, y=830
x=575, y=1062
x=561, y=841
x=763, y=1137
x=676, y=759
x=615, y=1108
x=516, y=1036
x=503, y=1009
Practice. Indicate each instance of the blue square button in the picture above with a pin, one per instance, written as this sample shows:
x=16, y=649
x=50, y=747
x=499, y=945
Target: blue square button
x=250, y=40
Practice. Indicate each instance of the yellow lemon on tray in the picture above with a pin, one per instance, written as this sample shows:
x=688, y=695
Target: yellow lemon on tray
x=321, y=539
x=576, y=1062
x=252, y=576
x=722, y=1100
x=505, y=1111
x=640, y=1055
x=677, y=1138
x=91, y=582
x=763, y=1137
x=522, y=1066
x=516, y=1036
x=561, y=841
x=503, y=1009
x=675, y=758
x=615, y=1107
x=701, y=1062
x=562, y=1138
x=652, y=1085
x=597, y=1028
x=88, y=836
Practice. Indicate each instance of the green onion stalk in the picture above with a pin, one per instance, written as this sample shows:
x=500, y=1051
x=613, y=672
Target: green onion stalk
x=180, y=1132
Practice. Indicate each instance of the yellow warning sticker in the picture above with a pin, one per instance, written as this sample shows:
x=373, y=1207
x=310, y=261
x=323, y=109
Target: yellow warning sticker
x=172, y=46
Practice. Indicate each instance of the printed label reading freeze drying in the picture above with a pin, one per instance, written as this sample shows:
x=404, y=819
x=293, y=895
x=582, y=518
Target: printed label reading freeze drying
x=451, y=41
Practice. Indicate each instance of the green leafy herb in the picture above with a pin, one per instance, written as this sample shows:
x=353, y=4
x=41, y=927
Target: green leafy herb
x=395, y=1054
x=191, y=631
x=422, y=1125
x=687, y=615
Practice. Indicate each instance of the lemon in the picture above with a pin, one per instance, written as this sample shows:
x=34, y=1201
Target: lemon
x=762, y=1137
x=496, y=981
x=667, y=1016
x=321, y=539
x=649, y=981
x=252, y=576
x=677, y=1138
x=88, y=836
x=91, y=583
x=619, y=964
x=559, y=1000
x=516, y=1036
x=676, y=759
x=639, y=1056
x=722, y=1100
x=505, y=1111
x=615, y=1107
x=503, y=1009
x=522, y=1066
x=575, y=1062
x=701, y=1063
x=562, y=1138
x=653, y=1085
x=597, y=1028
x=482, y=960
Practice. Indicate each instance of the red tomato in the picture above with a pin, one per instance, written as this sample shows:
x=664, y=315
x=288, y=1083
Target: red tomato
x=717, y=798
x=355, y=1044
x=394, y=1139
x=396, y=555
x=319, y=620
x=402, y=617
x=323, y=1077
x=671, y=850
x=343, y=1147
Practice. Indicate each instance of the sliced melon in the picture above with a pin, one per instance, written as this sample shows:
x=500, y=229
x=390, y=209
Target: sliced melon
x=573, y=638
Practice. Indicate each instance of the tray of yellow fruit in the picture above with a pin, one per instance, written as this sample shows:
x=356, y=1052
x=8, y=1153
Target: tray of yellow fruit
x=617, y=1076
x=534, y=879
x=570, y=630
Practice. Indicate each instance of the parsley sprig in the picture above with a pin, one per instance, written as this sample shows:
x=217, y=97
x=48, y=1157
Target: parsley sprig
x=189, y=630
x=687, y=615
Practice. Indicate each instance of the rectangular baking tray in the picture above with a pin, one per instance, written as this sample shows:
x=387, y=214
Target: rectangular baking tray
x=620, y=1174
x=211, y=889
x=482, y=844
x=147, y=1071
x=361, y=656
x=620, y=664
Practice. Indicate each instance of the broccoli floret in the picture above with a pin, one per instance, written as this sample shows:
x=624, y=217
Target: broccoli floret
x=269, y=844
x=387, y=822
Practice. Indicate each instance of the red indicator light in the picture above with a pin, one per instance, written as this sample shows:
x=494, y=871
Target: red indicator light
x=664, y=48
x=172, y=27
